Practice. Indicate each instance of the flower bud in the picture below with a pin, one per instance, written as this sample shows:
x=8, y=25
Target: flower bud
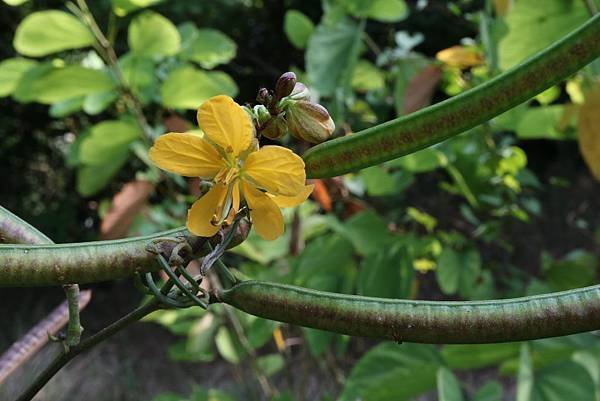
x=261, y=113
x=309, y=121
x=263, y=96
x=275, y=128
x=285, y=85
x=300, y=92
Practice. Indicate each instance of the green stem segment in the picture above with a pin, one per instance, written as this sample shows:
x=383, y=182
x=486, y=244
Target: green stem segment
x=493, y=321
x=441, y=121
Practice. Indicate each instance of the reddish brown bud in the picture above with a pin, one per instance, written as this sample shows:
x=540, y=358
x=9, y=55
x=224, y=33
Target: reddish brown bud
x=285, y=85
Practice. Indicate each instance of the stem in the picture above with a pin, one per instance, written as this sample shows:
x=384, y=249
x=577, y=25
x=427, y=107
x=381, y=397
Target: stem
x=86, y=344
x=74, y=328
x=441, y=121
x=591, y=6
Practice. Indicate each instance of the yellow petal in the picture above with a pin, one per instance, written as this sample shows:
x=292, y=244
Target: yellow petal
x=186, y=154
x=277, y=170
x=264, y=213
x=225, y=123
x=202, y=211
x=291, y=201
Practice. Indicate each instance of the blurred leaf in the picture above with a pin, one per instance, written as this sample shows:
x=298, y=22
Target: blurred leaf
x=317, y=340
x=187, y=87
x=387, y=10
x=392, y=372
x=532, y=28
x=460, y=57
x=548, y=96
x=331, y=55
x=169, y=397
x=92, y=178
x=48, y=85
x=15, y=2
x=96, y=103
x=199, y=394
x=151, y=34
x=138, y=73
x=418, y=162
x=66, y=107
x=535, y=123
x=490, y=391
x=420, y=88
x=367, y=232
x=575, y=270
x=11, y=71
x=124, y=7
x=405, y=70
x=478, y=356
x=209, y=48
x=525, y=376
x=107, y=138
x=366, y=77
x=448, y=387
x=425, y=219
x=298, y=28
x=590, y=361
x=46, y=32
x=325, y=256
x=228, y=346
x=457, y=270
x=260, y=332
x=380, y=182
x=386, y=274
x=588, y=128
x=270, y=364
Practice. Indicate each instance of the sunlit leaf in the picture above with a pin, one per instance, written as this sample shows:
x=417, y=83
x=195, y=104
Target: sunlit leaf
x=47, y=32
x=124, y=7
x=209, y=48
x=367, y=77
x=298, y=28
x=11, y=71
x=151, y=34
x=448, y=386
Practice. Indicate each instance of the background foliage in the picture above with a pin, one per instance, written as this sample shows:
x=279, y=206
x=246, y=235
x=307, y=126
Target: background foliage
x=507, y=209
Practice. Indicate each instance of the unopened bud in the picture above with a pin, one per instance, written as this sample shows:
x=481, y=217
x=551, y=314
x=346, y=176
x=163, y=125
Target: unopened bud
x=300, y=92
x=309, y=121
x=263, y=96
x=261, y=113
x=275, y=128
x=285, y=85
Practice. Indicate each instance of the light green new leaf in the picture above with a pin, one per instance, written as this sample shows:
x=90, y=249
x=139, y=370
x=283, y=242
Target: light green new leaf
x=46, y=84
x=209, y=48
x=47, y=32
x=298, y=28
x=187, y=87
x=11, y=71
x=532, y=27
x=331, y=55
x=124, y=7
x=448, y=386
x=15, y=2
x=366, y=77
x=96, y=103
x=387, y=10
x=151, y=34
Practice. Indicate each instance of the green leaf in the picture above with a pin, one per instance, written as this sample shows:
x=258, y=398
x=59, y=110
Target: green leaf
x=577, y=269
x=380, y=182
x=151, y=34
x=187, y=87
x=298, y=28
x=139, y=74
x=392, y=372
x=317, y=340
x=367, y=232
x=458, y=271
x=47, y=32
x=386, y=274
x=92, y=178
x=228, y=346
x=96, y=103
x=419, y=162
x=490, y=391
x=106, y=138
x=270, y=364
x=525, y=376
x=46, y=84
x=387, y=10
x=66, y=107
x=209, y=48
x=15, y=2
x=366, y=77
x=11, y=71
x=260, y=332
x=532, y=28
x=478, y=356
x=448, y=386
x=331, y=55
x=124, y=7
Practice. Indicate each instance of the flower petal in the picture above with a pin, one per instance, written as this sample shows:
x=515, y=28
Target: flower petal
x=277, y=170
x=291, y=201
x=186, y=154
x=202, y=211
x=226, y=123
x=264, y=213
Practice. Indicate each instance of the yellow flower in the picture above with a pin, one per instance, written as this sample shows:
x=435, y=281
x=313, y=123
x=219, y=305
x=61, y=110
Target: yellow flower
x=265, y=179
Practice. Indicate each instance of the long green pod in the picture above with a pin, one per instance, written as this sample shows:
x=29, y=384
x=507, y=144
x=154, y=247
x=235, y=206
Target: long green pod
x=14, y=230
x=436, y=123
x=528, y=318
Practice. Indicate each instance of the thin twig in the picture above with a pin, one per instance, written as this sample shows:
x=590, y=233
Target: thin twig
x=591, y=6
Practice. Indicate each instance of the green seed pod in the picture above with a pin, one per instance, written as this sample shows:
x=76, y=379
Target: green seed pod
x=275, y=128
x=309, y=121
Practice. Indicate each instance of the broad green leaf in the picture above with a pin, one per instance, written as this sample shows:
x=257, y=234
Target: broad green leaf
x=386, y=274
x=392, y=372
x=331, y=55
x=96, y=103
x=139, y=75
x=457, y=270
x=92, y=178
x=151, y=34
x=66, y=107
x=270, y=364
x=317, y=340
x=107, y=138
x=448, y=386
x=210, y=48
x=11, y=71
x=490, y=391
x=387, y=10
x=479, y=355
x=47, y=32
x=380, y=182
x=228, y=346
x=187, y=87
x=124, y=7
x=367, y=232
x=577, y=269
x=419, y=162
x=532, y=28
x=15, y=2
x=298, y=28
x=367, y=77
x=48, y=85
x=260, y=331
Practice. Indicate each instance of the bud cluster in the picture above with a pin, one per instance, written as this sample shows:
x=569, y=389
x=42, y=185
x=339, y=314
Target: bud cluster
x=288, y=108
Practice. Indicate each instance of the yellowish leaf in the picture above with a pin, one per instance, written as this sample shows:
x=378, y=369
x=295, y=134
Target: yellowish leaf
x=460, y=56
x=588, y=128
